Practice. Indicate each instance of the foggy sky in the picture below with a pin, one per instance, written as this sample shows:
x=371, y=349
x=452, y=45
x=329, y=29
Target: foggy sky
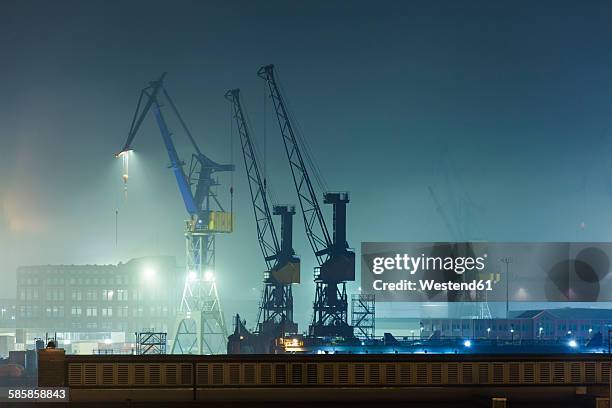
x=515, y=95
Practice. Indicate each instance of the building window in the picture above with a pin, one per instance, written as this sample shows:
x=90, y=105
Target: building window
x=55, y=294
x=122, y=311
x=76, y=294
x=107, y=311
x=92, y=294
x=107, y=294
x=122, y=294
x=92, y=311
x=76, y=311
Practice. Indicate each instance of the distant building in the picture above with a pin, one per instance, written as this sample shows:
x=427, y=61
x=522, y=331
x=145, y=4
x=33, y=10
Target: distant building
x=7, y=313
x=92, y=301
x=580, y=323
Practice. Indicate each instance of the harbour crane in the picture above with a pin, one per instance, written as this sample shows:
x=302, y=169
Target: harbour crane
x=275, y=318
x=336, y=262
x=200, y=327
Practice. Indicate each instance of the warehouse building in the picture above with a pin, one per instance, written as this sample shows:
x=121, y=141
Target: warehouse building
x=545, y=324
x=97, y=303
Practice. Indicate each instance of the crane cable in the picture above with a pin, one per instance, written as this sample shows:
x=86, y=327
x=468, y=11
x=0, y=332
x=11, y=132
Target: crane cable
x=265, y=120
x=231, y=132
x=318, y=175
x=267, y=190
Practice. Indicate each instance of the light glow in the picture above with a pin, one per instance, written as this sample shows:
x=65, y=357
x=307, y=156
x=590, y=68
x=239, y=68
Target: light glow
x=149, y=273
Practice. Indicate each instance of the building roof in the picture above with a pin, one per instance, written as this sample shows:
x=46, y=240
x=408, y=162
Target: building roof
x=567, y=313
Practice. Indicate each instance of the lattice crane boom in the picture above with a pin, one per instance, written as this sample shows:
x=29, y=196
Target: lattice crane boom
x=316, y=229
x=266, y=233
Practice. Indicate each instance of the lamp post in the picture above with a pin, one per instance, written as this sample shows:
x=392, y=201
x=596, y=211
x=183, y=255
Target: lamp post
x=507, y=260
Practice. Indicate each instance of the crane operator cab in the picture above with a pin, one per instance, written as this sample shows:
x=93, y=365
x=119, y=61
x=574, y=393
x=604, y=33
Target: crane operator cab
x=210, y=222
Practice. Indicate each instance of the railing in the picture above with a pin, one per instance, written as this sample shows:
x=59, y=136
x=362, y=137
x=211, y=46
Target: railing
x=330, y=371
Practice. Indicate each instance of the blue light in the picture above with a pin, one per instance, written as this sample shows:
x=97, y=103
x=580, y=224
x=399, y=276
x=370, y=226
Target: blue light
x=467, y=343
x=572, y=344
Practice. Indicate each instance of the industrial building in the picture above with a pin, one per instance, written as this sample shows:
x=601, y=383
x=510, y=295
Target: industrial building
x=93, y=303
x=545, y=324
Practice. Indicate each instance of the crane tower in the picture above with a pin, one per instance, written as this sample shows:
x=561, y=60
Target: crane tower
x=275, y=319
x=336, y=262
x=200, y=327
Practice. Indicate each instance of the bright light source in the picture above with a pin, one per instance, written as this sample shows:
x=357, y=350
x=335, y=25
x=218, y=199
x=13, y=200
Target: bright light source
x=108, y=341
x=572, y=344
x=149, y=273
x=209, y=276
x=192, y=276
x=467, y=343
x=124, y=152
x=590, y=330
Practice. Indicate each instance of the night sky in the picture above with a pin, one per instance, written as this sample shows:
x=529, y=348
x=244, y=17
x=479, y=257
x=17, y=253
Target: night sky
x=505, y=105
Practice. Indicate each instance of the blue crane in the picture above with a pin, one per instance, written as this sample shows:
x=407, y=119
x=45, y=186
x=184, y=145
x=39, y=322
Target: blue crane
x=206, y=218
x=197, y=200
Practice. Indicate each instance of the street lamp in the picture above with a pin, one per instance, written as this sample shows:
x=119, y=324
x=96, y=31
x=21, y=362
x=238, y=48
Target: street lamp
x=507, y=260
